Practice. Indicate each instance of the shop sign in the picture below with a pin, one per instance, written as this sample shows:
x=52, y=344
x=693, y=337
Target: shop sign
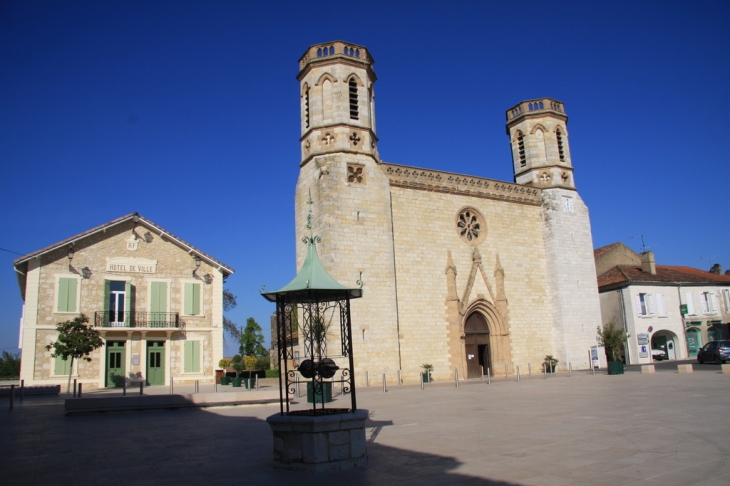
x=683, y=309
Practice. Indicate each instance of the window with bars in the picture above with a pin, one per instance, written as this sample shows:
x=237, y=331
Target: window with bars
x=354, y=115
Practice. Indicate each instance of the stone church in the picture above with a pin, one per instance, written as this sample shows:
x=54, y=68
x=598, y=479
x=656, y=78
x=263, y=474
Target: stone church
x=462, y=272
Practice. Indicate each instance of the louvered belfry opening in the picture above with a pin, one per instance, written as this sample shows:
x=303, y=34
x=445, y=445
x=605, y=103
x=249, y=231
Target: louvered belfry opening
x=561, y=151
x=521, y=149
x=353, y=99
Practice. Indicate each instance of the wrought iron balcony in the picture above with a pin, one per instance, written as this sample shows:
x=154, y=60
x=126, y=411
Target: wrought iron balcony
x=138, y=319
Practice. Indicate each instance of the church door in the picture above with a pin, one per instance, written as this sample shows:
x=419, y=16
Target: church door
x=476, y=343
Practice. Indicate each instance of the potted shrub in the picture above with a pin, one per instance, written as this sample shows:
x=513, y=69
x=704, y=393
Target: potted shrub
x=224, y=364
x=612, y=338
x=549, y=363
x=250, y=363
x=426, y=375
x=238, y=367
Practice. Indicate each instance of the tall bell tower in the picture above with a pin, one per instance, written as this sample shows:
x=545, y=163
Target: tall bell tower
x=541, y=158
x=340, y=171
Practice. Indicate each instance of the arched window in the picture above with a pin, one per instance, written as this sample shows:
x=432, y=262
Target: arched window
x=561, y=150
x=521, y=149
x=353, y=99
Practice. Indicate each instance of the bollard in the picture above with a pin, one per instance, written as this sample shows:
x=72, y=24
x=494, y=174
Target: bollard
x=257, y=382
x=22, y=389
x=482, y=378
x=529, y=369
x=399, y=379
x=124, y=388
x=421, y=379
x=74, y=395
x=544, y=371
x=367, y=379
x=570, y=369
x=518, y=374
x=489, y=377
x=215, y=386
x=197, y=387
x=384, y=387
x=79, y=395
x=141, y=387
x=12, y=396
x=456, y=376
x=506, y=371
x=171, y=386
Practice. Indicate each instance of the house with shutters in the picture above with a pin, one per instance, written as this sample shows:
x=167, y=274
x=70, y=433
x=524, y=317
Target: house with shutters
x=156, y=300
x=673, y=308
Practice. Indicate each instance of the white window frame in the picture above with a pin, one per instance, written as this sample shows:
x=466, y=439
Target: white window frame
x=182, y=297
x=645, y=304
x=57, y=278
x=707, y=300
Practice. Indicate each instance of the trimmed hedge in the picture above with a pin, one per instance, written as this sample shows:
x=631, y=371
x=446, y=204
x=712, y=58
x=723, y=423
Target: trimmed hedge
x=272, y=373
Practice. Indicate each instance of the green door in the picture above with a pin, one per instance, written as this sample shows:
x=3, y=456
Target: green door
x=115, y=354
x=694, y=342
x=156, y=363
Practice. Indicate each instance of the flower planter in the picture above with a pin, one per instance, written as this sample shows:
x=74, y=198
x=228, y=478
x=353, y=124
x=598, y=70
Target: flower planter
x=225, y=380
x=236, y=382
x=426, y=377
x=323, y=396
x=249, y=383
x=549, y=369
x=615, y=368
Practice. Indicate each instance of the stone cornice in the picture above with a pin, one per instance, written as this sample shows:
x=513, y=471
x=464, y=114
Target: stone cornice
x=447, y=182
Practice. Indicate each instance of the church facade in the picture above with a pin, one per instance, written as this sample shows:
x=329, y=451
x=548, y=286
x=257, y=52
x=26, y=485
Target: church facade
x=461, y=272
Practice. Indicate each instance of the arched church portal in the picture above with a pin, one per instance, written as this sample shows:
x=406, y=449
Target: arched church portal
x=477, y=345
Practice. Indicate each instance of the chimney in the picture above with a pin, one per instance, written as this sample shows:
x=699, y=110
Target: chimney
x=716, y=268
x=647, y=262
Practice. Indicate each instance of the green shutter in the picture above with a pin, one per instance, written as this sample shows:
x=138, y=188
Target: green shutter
x=66, y=295
x=192, y=356
x=159, y=297
x=61, y=367
x=192, y=299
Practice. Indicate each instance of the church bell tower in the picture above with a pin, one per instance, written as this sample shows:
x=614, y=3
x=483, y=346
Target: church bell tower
x=539, y=137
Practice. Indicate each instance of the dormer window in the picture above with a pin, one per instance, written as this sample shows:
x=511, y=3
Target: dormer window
x=353, y=99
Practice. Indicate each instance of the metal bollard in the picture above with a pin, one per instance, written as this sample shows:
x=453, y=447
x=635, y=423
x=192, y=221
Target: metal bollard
x=385, y=389
x=506, y=371
x=544, y=371
x=197, y=387
x=22, y=389
x=141, y=387
x=12, y=396
x=570, y=369
x=400, y=382
x=593, y=368
x=367, y=379
x=529, y=369
x=482, y=368
x=489, y=377
x=420, y=377
x=171, y=387
x=257, y=382
x=74, y=395
x=215, y=386
x=79, y=395
x=124, y=388
x=456, y=376
x=518, y=374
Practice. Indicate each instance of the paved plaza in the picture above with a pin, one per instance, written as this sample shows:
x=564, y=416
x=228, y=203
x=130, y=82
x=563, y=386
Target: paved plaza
x=648, y=429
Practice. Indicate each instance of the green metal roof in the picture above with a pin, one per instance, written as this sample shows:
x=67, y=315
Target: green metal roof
x=313, y=283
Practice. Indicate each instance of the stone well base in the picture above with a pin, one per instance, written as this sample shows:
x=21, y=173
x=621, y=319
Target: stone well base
x=319, y=443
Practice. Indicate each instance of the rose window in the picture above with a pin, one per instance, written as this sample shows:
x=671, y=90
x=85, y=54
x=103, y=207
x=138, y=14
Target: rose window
x=470, y=226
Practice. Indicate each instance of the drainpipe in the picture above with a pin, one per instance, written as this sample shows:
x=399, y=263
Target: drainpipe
x=626, y=330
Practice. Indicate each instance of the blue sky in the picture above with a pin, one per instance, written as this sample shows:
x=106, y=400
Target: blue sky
x=188, y=112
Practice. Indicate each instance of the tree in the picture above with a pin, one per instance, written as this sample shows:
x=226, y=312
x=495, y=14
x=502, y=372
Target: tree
x=76, y=340
x=229, y=303
x=9, y=365
x=252, y=340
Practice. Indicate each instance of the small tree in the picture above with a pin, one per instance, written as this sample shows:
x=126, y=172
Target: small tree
x=612, y=338
x=252, y=340
x=238, y=365
x=229, y=303
x=76, y=340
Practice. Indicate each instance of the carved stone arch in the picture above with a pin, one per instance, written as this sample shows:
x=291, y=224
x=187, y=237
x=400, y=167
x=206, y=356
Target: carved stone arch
x=517, y=136
x=357, y=79
x=305, y=88
x=562, y=129
x=491, y=315
x=541, y=127
x=328, y=76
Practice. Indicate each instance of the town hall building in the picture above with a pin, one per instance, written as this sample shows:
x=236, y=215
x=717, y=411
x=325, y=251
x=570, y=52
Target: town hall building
x=458, y=271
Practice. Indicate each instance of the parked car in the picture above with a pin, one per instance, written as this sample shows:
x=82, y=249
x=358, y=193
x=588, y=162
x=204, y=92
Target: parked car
x=714, y=351
x=658, y=354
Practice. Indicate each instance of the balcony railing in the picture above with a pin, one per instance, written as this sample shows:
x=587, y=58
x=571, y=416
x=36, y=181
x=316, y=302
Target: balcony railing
x=138, y=319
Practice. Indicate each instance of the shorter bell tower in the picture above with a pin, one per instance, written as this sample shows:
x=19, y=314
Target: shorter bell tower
x=539, y=139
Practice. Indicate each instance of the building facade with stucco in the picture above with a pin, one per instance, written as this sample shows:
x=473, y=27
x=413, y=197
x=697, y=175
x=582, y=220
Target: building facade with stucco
x=156, y=300
x=459, y=271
